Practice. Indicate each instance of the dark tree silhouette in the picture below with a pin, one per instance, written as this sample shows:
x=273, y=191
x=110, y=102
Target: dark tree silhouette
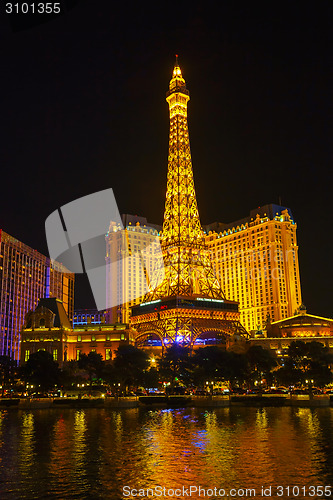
x=307, y=363
x=92, y=363
x=8, y=369
x=130, y=365
x=175, y=365
x=41, y=370
x=212, y=364
x=260, y=362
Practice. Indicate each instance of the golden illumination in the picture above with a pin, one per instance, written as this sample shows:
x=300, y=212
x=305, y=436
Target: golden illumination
x=186, y=265
x=257, y=265
x=185, y=271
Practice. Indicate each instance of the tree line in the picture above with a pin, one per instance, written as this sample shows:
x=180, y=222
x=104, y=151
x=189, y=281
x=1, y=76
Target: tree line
x=302, y=364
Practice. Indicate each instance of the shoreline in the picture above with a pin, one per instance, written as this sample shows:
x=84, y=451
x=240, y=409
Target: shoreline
x=304, y=401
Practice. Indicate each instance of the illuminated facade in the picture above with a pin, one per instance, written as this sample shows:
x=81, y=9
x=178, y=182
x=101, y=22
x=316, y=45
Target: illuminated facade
x=45, y=328
x=48, y=328
x=88, y=317
x=256, y=261
x=184, y=300
x=25, y=276
x=128, y=278
x=302, y=326
x=103, y=338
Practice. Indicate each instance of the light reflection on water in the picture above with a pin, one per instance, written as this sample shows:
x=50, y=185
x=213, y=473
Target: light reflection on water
x=93, y=453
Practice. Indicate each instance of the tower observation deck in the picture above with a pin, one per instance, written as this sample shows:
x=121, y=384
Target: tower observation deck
x=185, y=301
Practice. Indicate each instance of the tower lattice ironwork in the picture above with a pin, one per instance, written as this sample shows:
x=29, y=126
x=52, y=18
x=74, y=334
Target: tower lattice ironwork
x=186, y=266
x=185, y=298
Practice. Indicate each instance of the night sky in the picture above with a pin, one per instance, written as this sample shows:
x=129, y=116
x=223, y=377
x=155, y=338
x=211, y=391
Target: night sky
x=83, y=109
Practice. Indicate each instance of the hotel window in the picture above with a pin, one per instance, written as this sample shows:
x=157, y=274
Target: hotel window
x=78, y=352
x=108, y=354
x=55, y=354
x=93, y=338
x=27, y=354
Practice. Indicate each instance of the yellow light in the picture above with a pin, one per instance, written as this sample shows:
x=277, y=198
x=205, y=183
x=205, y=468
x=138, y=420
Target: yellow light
x=188, y=269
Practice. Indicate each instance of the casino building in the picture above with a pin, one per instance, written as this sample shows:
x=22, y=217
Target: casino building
x=256, y=261
x=301, y=326
x=26, y=276
x=48, y=328
x=130, y=274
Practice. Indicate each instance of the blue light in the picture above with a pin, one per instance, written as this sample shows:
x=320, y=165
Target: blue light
x=210, y=300
x=47, y=292
x=151, y=302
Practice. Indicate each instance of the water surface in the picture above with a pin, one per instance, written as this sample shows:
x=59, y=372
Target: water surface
x=94, y=453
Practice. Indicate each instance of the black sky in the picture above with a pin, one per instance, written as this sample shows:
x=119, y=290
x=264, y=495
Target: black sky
x=83, y=108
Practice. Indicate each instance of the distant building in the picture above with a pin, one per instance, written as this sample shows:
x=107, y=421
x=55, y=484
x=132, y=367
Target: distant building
x=104, y=339
x=256, y=262
x=255, y=259
x=26, y=276
x=301, y=326
x=88, y=317
x=47, y=328
x=131, y=251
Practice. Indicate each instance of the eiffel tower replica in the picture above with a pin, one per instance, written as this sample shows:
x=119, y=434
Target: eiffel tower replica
x=185, y=300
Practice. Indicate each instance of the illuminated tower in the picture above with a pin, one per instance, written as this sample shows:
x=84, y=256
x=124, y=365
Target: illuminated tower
x=188, y=301
x=187, y=261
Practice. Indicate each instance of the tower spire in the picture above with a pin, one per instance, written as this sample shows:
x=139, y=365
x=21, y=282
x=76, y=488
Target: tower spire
x=177, y=82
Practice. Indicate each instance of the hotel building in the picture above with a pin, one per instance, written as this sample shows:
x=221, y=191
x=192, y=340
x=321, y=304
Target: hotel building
x=255, y=259
x=302, y=326
x=48, y=328
x=130, y=253
x=26, y=276
x=88, y=317
x=256, y=262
